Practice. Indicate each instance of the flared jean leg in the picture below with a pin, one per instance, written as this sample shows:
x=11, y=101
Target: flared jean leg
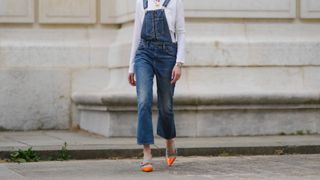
x=144, y=81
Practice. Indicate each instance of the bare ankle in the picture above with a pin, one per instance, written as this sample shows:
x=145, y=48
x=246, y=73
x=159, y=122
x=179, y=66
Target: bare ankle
x=147, y=152
x=170, y=145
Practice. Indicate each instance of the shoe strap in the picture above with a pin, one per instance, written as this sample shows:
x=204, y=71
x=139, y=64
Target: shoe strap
x=145, y=164
x=172, y=154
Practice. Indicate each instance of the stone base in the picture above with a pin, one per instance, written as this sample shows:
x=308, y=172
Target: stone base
x=210, y=121
x=219, y=101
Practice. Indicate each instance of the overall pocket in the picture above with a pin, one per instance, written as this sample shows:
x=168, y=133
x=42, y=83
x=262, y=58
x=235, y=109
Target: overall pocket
x=171, y=50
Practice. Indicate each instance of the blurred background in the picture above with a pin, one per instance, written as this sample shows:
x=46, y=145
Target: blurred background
x=252, y=67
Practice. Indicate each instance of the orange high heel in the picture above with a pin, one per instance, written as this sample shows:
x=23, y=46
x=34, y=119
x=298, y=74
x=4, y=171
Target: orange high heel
x=171, y=157
x=146, y=167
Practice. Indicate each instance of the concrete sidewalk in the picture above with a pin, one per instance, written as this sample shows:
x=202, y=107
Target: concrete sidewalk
x=83, y=145
x=286, y=167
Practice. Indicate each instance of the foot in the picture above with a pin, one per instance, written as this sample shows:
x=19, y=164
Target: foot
x=171, y=153
x=146, y=165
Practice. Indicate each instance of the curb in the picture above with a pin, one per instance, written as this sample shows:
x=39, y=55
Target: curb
x=82, y=154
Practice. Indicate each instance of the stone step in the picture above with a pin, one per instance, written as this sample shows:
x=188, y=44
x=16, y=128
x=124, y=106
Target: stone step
x=200, y=120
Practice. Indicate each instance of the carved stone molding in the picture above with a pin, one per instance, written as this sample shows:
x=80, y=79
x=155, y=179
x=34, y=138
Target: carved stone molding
x=310, y=9
x=241, y=9
x=16, y=11
x=67, y=11
x=117, y=11
x=120, y=11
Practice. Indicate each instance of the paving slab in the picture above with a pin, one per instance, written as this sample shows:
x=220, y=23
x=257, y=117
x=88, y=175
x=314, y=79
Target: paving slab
x=9, y=144
x=285, y=167
x=35, y=138
x=6, y=173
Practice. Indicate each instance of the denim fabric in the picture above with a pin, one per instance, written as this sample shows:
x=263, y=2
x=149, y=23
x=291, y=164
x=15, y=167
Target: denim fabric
x=155, y=27
x=155, y=56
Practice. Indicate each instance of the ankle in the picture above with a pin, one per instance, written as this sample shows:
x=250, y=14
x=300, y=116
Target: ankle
x=147, y=152
x=170, y=145
x=147, y=157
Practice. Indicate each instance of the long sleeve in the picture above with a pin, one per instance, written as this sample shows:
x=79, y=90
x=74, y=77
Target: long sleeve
x=180, y=31
x=136, y=35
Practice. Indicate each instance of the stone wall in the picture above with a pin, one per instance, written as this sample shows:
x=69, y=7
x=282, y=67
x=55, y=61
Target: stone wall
x=53, y=49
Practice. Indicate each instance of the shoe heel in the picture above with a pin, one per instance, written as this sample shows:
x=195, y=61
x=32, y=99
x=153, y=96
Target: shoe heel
x=170, y=158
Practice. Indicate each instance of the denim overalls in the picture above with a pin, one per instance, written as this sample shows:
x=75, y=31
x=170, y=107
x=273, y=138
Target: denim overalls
x=156, y=55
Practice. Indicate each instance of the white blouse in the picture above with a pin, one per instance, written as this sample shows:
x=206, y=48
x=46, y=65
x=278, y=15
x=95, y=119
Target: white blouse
x=175, y=17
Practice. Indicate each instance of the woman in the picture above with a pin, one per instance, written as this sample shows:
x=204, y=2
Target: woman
x=157, y=50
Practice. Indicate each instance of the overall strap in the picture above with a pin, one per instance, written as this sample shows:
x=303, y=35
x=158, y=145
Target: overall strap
x=145, y=4
x=166, y=2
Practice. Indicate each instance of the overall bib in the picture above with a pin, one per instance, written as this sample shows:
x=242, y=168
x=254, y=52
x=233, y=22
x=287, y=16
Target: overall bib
x=155, y=56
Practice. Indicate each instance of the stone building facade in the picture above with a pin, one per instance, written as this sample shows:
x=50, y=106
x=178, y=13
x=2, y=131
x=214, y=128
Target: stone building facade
x=252, y=67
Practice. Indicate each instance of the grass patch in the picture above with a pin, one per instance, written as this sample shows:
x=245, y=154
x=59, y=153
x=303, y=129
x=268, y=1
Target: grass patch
x=21, y=156
x=299, y=133
x=224, y=154
x=29, y=155
x=63, y=154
